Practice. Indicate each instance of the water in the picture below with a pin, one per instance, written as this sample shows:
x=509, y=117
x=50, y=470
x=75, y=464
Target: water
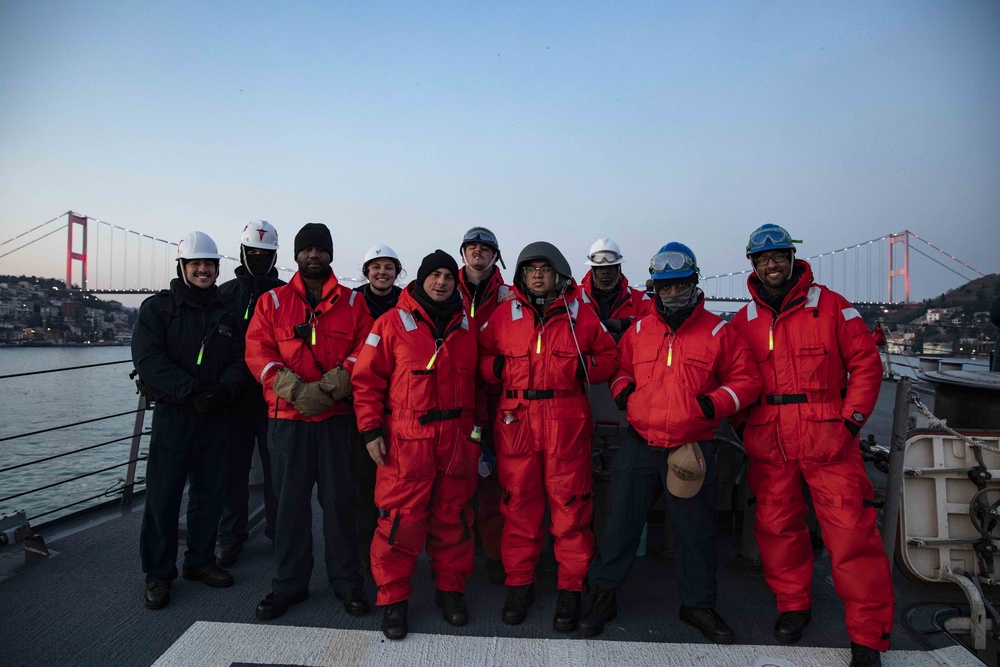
x=38, y=402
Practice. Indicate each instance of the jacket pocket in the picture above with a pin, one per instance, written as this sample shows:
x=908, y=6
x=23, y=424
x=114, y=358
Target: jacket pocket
x=410, y=459
x=290, y=347
x=811, y=366
x=512, y=433
x=696, y=371
x=569, y=433
x=760, y=438
x=825, y=438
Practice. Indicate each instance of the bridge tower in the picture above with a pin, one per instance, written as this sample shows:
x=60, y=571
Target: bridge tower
x=81, y=220
x=904, y=238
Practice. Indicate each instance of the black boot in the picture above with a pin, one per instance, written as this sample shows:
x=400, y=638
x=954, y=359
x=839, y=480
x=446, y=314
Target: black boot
x=709, y=623
x=394, y=620
x=862, y=656
x=603, y=608
x=453, y=605
x=790, y=624
x=157, y=595
x=567, y=611
x=515, y=608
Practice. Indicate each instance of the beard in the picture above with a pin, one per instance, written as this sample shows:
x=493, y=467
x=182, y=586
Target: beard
x=313, y=271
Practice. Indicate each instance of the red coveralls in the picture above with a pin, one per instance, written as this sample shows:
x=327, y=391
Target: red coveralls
x=544, y=430
x=426, y=412
x=797, y=432
x=489, y=519
x=630, y=303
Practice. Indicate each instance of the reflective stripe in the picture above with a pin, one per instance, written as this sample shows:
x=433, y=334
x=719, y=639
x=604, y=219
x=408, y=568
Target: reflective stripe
x=515, y=310
x=638, y=326
x=352, y=360
x=485, y=324
x=850, y=313
x=503, y=289
x=373, y=340
x=812, y=300
x=407, y=319
x=624, y=377
x=353, y=294
x=465, y=321
x=586, y=298
x=752, y=311
x=718, y=326
x=604, y=327
x=574, y=308
x=733, y=394
x=275, y=297
x=267, y=368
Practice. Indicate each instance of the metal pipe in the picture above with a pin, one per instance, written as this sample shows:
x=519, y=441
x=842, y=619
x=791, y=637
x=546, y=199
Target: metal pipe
x=894, y=481
x=140, y=418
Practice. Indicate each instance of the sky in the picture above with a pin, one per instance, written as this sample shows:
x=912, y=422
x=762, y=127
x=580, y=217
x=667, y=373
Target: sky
x=408, y=123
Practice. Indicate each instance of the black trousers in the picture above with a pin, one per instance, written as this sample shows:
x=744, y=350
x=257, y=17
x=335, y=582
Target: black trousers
x=249, y=429
x=363, y=470
x=635, y=474
x=184, y=447
x=306, y=455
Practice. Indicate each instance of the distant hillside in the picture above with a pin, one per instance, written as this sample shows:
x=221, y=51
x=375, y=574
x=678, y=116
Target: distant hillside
x=973, y=297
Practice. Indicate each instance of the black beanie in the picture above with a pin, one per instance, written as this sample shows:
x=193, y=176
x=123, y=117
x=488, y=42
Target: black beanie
x=314, y=234
x=438, y=259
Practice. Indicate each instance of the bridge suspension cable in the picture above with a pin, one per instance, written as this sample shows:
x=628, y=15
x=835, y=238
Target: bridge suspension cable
x=32, y=229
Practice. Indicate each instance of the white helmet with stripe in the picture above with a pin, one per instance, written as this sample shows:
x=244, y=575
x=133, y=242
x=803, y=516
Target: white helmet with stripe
x=260, y=234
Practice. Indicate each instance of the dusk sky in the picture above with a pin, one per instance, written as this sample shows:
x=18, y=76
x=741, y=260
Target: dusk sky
x=407, y=123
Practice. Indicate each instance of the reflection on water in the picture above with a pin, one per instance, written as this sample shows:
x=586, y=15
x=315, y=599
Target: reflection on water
x=37, y=402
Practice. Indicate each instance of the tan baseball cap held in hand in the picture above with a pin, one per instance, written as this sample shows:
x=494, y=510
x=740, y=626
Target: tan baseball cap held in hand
x=687, y=470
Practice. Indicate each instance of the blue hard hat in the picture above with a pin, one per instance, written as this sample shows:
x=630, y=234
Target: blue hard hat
x=770, y=237
x=674, y=260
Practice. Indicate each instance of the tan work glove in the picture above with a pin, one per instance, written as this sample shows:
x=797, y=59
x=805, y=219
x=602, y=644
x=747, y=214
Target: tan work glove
x=337, y=383
x=313, y=401
x=287, y=385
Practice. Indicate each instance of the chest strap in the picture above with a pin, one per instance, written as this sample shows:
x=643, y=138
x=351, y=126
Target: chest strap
x=438, y=416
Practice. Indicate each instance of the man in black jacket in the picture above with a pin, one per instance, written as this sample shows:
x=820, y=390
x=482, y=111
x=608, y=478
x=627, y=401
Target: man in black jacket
x=256, y=275
x=188, y=350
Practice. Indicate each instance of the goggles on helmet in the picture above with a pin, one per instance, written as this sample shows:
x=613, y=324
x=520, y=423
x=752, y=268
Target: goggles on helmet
x=480, y=236
x=605, y=257
x=672, y=260
x=770, y=238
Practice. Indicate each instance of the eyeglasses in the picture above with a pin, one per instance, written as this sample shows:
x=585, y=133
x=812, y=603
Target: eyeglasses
x=480, y=235
x=537, y=270
x=673, y=260
x=605, y=257
x=778, y=258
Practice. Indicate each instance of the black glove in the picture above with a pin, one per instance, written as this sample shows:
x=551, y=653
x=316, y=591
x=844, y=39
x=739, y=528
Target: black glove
x=852, y=427
x=212, y=400
x=707, y=407
x=581, y=368
x=621, y=400
x=613, y=325
x=498, y=363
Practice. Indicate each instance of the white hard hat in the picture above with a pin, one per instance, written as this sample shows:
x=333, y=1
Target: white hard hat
x=380, y=251
x=197, y=245
x=604, y=252
x=260, y=234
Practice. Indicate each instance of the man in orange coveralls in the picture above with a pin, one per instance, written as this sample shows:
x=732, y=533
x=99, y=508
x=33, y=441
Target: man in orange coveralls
x=807, y=340
x=414, y=396
x=544, y=346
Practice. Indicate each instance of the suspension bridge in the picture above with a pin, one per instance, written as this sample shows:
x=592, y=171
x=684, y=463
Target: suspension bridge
x=106, y=258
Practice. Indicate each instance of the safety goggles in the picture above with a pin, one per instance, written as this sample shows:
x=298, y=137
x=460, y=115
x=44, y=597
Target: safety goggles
x=772, y=237
x=605, y=257
x=480, y=236
x=672, y=260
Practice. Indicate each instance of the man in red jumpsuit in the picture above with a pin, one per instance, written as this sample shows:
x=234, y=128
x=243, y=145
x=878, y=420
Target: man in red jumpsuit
x=414, y=396
x=301, y=345
x=606, y=288
x=821, y=377
x=544, y=346
x=482, y=289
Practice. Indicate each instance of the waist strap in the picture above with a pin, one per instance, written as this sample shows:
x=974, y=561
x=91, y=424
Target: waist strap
x=785, y=399
x=537, y=394
x=438, y=415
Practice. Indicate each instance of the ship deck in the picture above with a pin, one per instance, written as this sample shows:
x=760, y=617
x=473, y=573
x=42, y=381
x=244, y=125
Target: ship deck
x=82, y=605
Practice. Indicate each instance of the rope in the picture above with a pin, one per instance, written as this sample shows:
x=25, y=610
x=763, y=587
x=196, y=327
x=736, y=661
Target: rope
x=56, y=428
x=71, y=479
x=74, y=451
x=68, y=368
x=936, y=422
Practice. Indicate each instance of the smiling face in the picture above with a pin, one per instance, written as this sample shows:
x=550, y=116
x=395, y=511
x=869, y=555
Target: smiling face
x=314, y=263
x=773, y=268
x=200, y=273
x=381, y=275
x=478, y=256
x=439, y=285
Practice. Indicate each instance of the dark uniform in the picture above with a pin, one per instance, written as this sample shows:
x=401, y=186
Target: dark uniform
x=249, y=425
x=185, y=341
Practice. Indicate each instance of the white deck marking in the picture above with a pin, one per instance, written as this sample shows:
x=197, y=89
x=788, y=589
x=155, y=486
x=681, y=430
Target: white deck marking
x=208, y=643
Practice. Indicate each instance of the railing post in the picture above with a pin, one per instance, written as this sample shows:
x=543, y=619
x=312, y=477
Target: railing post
x=140, y=419
x=894, y=481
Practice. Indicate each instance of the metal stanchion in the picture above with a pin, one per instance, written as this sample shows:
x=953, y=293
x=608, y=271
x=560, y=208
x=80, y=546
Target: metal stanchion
x=894, y=482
